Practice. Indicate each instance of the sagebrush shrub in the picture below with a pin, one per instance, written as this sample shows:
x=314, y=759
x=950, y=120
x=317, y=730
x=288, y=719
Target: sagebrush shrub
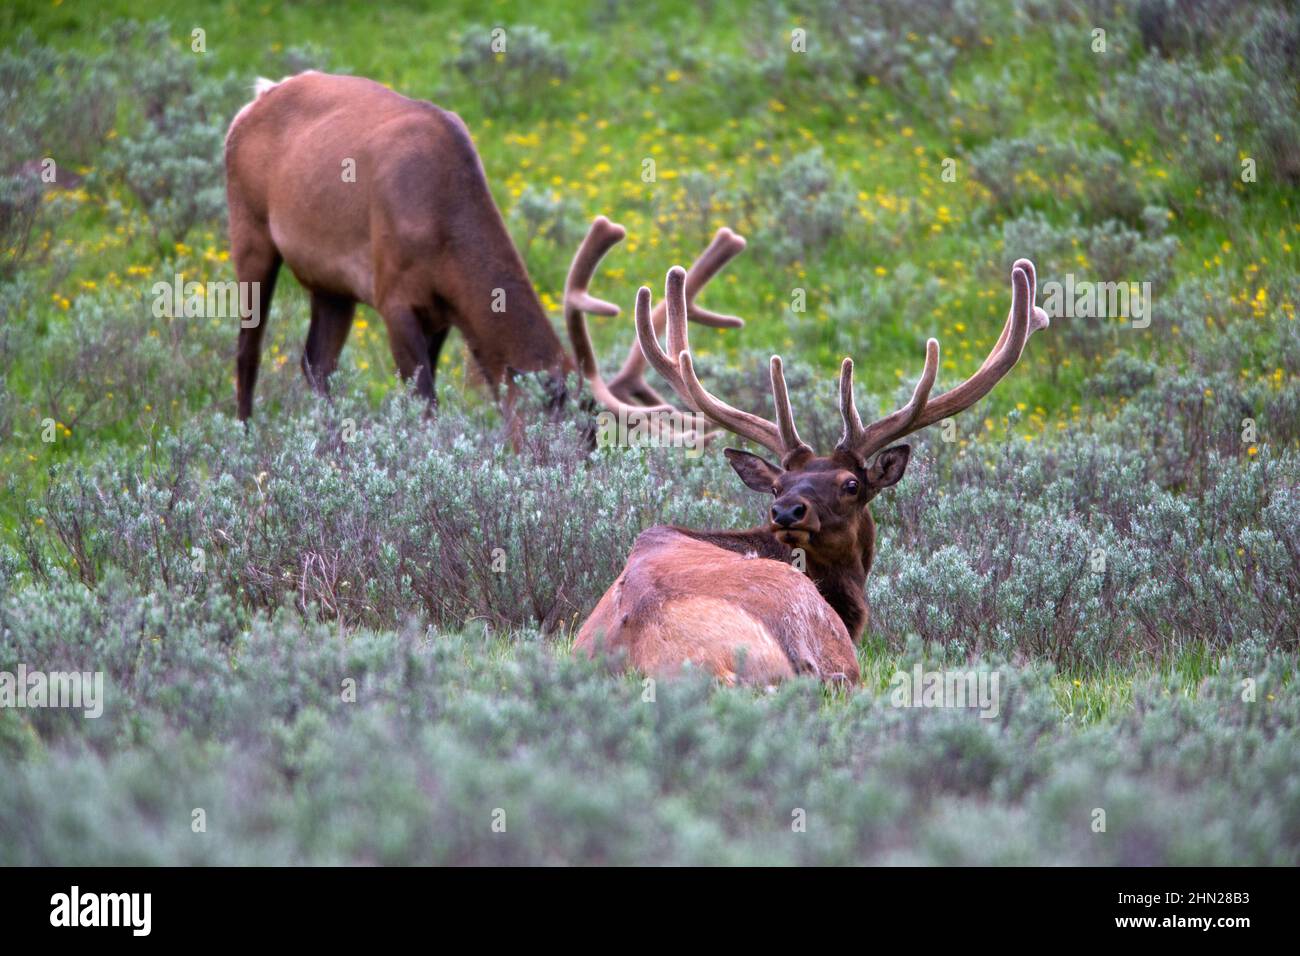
x=909, y=47
x=1077, y=555
x=548, y=215
x=1109, y=252
x=403, y=518
x=54, y=102
x=1188, y=27
x=807, y=202
x=1194, y=115
x=110, y=359
x=512, y=78
x=172, y=163
x=311, y=743
x=1038, y=171
x=56, y=107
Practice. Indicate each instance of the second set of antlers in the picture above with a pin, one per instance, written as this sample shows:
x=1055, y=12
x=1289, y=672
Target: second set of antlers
x=629, y=392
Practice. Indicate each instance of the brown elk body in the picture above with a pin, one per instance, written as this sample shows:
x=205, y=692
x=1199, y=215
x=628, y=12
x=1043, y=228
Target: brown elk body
x=657, y=616
x=716, y=599
x=369, y=196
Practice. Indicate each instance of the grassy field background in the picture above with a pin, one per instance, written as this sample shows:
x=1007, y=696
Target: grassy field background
x=234, y=583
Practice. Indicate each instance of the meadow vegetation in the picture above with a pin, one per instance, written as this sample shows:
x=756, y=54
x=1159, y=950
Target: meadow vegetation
x=344, y=631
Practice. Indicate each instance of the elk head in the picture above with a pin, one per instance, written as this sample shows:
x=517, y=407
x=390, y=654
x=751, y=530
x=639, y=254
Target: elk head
x=820, y=502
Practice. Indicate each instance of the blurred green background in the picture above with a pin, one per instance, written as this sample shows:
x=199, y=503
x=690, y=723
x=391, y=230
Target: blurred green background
x=229, y=581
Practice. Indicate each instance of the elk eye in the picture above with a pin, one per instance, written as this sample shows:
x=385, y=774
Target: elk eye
x=851, y=486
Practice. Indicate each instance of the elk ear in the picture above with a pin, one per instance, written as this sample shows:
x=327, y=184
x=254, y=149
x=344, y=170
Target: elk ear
x=888, y=467
x=757, y=473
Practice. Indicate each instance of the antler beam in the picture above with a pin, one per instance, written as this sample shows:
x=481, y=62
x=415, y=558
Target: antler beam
x=601, y=237
x=630, y=384
x=629, y=394
x=1024, y=319
x=677, y=367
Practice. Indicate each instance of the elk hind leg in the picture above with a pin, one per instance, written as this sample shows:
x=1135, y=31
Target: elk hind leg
x=257, y=264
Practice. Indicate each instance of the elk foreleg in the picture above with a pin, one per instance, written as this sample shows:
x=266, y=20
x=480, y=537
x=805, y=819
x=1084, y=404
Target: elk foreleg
x=410, y=345
x=331, y=320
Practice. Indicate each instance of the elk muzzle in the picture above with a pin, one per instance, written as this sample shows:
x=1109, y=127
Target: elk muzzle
x=793, y=518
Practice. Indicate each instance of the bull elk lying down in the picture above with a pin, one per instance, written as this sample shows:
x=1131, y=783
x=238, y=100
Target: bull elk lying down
x=731, y=602
x=369, y=196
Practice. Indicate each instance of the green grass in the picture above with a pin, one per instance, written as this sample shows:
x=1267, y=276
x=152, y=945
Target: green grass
x=918, y=257
x=867, y=134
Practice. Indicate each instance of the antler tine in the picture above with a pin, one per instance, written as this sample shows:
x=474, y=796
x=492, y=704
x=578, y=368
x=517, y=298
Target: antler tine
x=1038, y=318
x=602, y=236
x=920, y=411
x=791, y=443
x=726, y=245
x=781, y=440
x=678, y=341
x=848, y=409
x=864, y=442
x=648, y=340
x=758, y=430
x=675, y=303
x=1001, y=359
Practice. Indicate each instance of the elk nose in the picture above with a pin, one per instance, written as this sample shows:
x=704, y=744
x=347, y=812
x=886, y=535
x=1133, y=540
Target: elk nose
x=786, y=515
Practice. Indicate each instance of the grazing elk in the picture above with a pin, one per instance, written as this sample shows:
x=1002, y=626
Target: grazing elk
x=732, y=602
x=369, y=196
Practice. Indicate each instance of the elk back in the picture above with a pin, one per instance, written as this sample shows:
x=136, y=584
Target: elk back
x=742, y=618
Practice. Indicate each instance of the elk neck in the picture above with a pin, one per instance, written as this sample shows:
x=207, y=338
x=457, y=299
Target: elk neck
x=487, y=286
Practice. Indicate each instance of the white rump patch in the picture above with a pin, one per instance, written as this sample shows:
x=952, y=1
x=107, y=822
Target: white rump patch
x=261, y=87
